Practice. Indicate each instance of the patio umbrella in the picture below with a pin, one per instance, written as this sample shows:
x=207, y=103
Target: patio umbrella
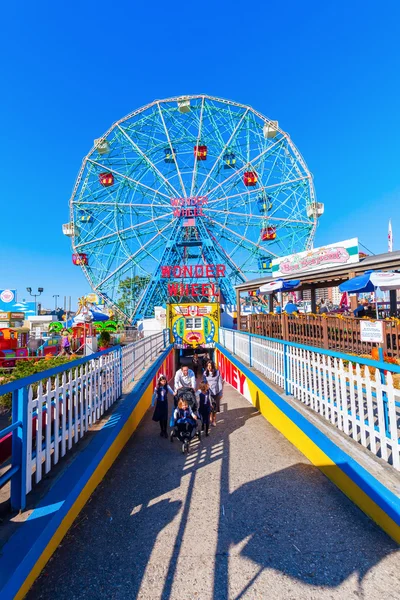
x=279, y=285
x=369, y=281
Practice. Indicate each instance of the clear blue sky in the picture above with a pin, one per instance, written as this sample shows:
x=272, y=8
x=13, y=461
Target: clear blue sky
x=327, y=71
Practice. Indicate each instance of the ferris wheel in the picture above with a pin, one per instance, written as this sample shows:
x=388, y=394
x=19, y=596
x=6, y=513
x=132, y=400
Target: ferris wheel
x=189, y=181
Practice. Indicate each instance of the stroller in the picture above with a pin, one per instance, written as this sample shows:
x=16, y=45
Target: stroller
x=186, y=429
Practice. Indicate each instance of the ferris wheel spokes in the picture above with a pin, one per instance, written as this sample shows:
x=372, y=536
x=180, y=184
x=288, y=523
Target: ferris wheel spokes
x=149, y=162
x=118, y=174
x=242, y=169
x=196, y=162
x=223, y=151
x=133, y=256
x=172, y=152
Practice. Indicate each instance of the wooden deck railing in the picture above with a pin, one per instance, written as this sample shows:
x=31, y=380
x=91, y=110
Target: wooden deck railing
x=331, y=332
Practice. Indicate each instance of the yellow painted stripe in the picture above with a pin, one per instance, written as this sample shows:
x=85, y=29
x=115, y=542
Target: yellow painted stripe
x=317, y=457
x=93, y=482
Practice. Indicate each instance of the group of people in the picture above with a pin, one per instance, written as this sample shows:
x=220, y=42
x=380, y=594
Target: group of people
x=208, y=396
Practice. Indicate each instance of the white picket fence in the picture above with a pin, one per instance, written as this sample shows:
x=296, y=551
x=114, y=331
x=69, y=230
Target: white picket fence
x=62, y=408
x=137, y=355
x=357, y=398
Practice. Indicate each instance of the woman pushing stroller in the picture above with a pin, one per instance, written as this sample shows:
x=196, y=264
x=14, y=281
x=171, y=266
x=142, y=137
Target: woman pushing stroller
x=160, y=399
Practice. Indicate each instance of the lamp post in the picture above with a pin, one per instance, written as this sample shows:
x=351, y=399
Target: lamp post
x=39, y=291
x=55, y=296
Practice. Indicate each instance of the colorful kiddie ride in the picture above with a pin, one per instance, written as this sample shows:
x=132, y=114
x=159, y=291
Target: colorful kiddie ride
x=193, y=325
x=12, y=347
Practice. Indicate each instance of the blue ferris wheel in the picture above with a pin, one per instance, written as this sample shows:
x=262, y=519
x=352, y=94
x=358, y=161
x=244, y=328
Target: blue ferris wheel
x=181, y=184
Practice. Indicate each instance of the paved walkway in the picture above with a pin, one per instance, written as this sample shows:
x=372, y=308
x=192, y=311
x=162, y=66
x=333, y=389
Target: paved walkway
x=243, y=516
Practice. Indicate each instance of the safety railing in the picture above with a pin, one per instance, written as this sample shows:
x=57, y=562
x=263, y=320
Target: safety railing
x=137, y=355
x=52, y=410
x=334, y=332
x=361, y=397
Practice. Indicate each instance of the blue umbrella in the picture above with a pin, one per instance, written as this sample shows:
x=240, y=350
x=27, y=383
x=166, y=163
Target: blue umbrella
x=358, y=285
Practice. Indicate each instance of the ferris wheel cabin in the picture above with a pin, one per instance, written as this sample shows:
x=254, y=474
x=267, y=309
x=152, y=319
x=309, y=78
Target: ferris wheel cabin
x=106, y=179
x=316, y=210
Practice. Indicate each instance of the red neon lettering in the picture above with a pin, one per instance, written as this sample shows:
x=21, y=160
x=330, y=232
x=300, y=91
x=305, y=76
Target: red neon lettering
x=176, y=212
x=166, y=272
x=204, y=289
x=177, y=271
x=184, y=290
x=175, y=201
x=210, y=271
x=173, y=289
x=220, y=270
x=198, y=271
x=195, y=287
x=187, y=271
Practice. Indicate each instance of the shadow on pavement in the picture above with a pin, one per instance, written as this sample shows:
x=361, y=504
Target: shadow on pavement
x=314, y=539
x=107, y=550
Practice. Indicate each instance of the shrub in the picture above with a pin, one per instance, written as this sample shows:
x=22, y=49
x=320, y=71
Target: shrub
x=24, y=369
x=104, y=339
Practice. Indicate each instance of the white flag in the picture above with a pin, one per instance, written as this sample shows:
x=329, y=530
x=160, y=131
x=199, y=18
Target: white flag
x=390, y=237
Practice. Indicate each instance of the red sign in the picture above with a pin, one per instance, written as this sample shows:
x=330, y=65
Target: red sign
x=230, y=373
x=191, y=201
x=194, y=289
x=197, y=271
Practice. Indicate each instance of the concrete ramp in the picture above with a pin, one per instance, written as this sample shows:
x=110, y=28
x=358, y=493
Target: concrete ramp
x=244, y=515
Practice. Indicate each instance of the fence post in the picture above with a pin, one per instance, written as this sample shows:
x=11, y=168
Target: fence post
x=324, y=323
x=121, y=370
x=250, y=354
x=233, y=342
x=384, y=395
x=286, y=369
x=19, y=448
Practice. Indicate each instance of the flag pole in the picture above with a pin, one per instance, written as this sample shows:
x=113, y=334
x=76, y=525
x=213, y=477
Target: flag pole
x=390, y=237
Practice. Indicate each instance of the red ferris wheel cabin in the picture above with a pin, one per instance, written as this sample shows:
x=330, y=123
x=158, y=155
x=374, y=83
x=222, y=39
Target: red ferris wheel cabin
x=250, y=178
x=200, y=152
x=80, y=259
x=106, y=179
x=268, y=233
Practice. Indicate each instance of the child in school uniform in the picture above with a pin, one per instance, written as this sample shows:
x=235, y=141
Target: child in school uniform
x=160, y=399
x=205, y=405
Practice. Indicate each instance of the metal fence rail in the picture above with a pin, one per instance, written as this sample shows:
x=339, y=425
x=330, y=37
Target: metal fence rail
x=52, y=410
x=360, y=397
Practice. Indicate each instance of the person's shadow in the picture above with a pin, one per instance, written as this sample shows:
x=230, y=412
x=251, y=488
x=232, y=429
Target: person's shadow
x=318, y=539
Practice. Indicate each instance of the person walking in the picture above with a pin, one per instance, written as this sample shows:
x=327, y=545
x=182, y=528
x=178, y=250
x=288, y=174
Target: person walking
x=196, y=363
x=160, y=399
x=184, y=378
x=205, y=405
x=206, y=358
x=213, y=377
x=65, y=343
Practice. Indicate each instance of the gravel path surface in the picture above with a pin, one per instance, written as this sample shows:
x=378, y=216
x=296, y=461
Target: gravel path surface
x=243, y=516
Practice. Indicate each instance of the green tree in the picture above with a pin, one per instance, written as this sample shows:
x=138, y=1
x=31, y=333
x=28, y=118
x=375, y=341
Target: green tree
x=130, y=290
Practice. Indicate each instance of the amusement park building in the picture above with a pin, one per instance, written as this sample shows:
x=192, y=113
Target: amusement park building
x=318, y=280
